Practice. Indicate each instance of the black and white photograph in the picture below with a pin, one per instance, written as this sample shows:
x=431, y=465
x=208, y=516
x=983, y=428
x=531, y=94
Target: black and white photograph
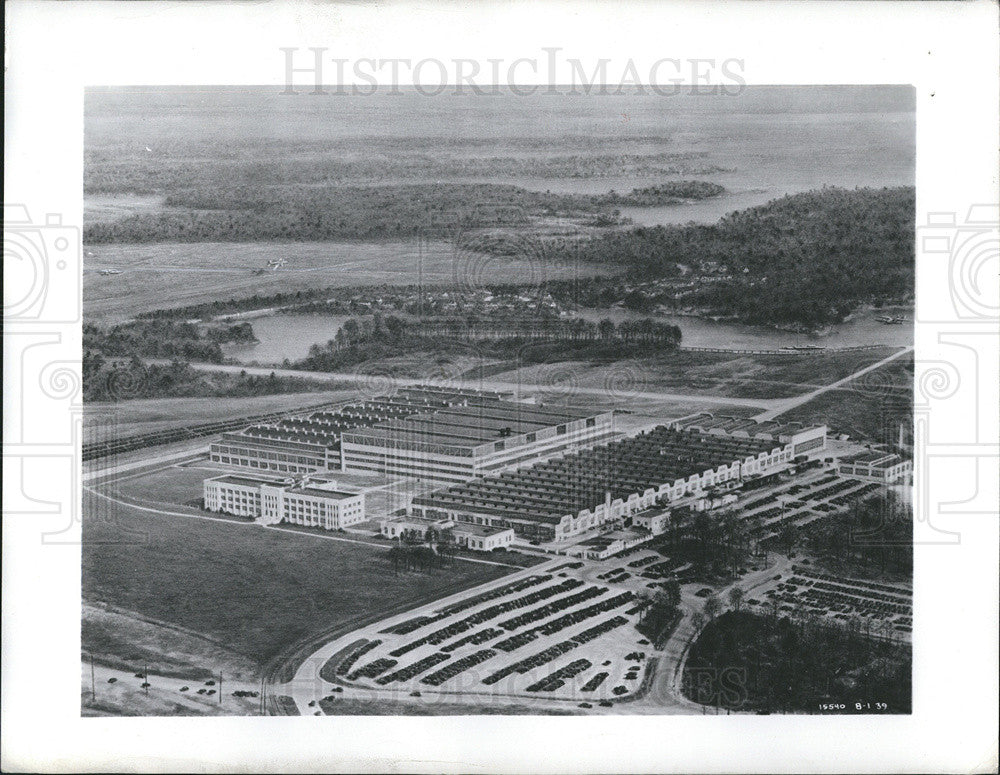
x=496, y=403
x=435, y=388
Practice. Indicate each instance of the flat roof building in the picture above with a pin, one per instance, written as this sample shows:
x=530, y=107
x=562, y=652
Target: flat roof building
x=458, y=443
x=478, y=538
x=270, y=500
x=560, y=498
x=886, y=467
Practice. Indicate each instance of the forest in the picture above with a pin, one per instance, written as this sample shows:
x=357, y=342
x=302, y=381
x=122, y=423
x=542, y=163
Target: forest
x=165, y=339
x=120, y=379
x=533, y=341
x=236, y=161
x=258, y=212
x=807, y=259
x=773, y=664
x=871, y=539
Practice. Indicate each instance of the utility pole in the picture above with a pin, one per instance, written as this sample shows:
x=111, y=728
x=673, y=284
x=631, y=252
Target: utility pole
x=93, y=683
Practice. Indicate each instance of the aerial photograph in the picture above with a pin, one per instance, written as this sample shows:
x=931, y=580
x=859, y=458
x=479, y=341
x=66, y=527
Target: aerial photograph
x=498, y=403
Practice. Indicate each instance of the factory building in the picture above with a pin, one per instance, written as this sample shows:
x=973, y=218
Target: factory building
x=804, y=439
x=458, y=443
x=558, y=499
x=885, y=467
x=446, y=434
x=311, y=503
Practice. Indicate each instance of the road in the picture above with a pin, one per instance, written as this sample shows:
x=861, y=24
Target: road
x=772, y=406
x=781, y=405
x=240, y=523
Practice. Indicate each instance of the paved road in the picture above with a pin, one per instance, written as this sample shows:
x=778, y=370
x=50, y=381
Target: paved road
x=378, y=380
x=781, y=405
x=772, y=407
x=239, y=523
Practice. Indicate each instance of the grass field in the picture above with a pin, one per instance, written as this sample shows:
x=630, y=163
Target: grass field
x=169, y=275
x=872, y=407
x=146, y=415
x=255, y=590
x=716, y=374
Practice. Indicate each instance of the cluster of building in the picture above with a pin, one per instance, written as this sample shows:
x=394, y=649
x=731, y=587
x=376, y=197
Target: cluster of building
x=557, y=499
x=509, y=470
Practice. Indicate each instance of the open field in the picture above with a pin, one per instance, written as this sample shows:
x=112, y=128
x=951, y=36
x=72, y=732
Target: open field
x=715, y=374
x=147, y=415
x=871, y=407
x=128, y=641
x=178, y=274
x=256, y=590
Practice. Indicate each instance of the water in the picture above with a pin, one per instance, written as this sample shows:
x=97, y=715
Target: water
x=285, y=336
x=290, y=336
x=768, y=141
x=859, y=331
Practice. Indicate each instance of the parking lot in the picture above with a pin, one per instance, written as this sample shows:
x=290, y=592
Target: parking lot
x=555, y=635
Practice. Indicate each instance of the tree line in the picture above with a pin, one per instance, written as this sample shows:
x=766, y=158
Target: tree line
x=364, y=339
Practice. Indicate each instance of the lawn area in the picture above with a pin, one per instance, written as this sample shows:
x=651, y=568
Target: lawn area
x=255, y=590
x=166, y=488
x=871, y=407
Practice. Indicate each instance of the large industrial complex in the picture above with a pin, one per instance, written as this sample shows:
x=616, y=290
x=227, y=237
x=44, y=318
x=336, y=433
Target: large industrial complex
x=498, y=470
x=422, y=433
x=460, y=442
x=558, y=499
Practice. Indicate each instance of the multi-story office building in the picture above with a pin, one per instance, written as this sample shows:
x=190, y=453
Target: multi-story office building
x=312, y=503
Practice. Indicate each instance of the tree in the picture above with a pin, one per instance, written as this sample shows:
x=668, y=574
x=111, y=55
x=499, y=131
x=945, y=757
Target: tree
x=606, y=329
x=788, y=537
x=672, y=592
x=712, y=606
x=643, y=602
x=736, y=595
x=430, y=536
